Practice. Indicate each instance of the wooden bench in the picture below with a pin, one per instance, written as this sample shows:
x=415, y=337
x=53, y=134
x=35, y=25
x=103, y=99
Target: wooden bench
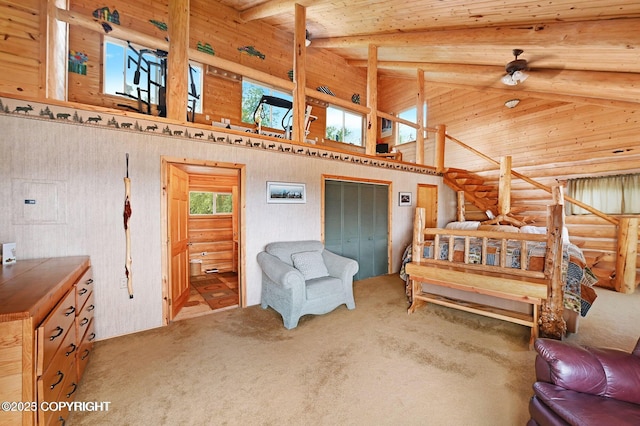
x=495, y=284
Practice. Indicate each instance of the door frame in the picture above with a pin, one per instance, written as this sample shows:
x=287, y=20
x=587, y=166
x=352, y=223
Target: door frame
x=166, y=161
x=387, y=183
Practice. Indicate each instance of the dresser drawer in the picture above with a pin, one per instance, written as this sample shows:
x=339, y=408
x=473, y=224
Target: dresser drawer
x=66, y=390
x=54, y=329
x=62, y=367
x=85, y=316
x=84, y=288
x=84, y=351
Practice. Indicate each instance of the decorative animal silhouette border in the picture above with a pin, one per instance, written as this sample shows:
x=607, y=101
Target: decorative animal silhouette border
x=34, y=110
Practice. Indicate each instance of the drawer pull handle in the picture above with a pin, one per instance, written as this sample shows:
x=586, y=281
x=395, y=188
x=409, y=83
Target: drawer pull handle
x=91, y=308
x=82, y=291
x=70, y=310
x=89, y=281
x=85, y=354
x=73, y=349
x=75, y=386
x=61, y=376
x=84, y=322
x=60, y=331
x=61, y=420
x=92, y=336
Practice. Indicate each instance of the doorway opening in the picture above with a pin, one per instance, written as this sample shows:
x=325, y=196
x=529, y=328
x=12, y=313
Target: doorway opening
x=203, y=236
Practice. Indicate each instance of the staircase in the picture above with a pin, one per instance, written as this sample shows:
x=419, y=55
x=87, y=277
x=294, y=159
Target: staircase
x=479, y=197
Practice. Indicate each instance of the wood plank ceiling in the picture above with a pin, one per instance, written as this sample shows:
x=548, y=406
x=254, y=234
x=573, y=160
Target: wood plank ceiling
x=583, y=48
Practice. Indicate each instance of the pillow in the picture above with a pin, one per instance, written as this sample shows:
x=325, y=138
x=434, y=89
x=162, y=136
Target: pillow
x=530, y=229
x=310, y=263
x=469, y=224
x=498, y=228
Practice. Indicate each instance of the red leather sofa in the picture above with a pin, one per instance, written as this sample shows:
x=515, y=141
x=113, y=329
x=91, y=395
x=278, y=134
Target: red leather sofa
x=578, y=385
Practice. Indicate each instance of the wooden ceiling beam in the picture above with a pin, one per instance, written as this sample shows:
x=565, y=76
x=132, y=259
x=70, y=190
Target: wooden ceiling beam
x=603, y=33
x=616, y=86
x=271, y=8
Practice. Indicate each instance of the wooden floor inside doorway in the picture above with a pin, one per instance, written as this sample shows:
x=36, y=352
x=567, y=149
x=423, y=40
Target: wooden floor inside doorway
x=210, y=292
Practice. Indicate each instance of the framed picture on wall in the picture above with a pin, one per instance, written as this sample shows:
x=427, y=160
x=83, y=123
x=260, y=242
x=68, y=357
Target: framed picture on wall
x=386, y=128
x=404, y=198
x=285, y=192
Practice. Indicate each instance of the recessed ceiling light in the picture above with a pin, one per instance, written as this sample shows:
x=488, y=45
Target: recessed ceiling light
x=511, y=103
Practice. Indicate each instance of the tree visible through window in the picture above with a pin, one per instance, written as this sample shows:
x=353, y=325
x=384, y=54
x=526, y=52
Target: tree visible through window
x=271, y=116
x=208, y=203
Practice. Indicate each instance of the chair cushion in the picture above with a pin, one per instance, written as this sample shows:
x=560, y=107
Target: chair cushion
x=324, y=287
x=310, y=263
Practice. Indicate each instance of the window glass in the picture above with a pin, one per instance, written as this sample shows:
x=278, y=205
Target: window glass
x=134, y=71
x=407, y=133
x=209, y=203
x=275, y=116
x=344, y=126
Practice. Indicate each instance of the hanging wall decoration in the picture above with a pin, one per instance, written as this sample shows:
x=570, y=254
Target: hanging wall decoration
x=127, y=231
x=206, y=48
x=104, y=14
x=78, y=62
x=251, y=51
x=159, y=24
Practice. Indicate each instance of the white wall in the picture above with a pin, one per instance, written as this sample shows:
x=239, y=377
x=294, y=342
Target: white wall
x=86, y=165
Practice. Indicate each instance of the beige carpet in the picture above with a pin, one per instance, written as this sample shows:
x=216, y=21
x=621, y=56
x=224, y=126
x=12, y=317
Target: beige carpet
x=375, y=365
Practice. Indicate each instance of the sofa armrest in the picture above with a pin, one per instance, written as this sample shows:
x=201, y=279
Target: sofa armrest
x=279, y=272
x=606, y=372
x=339, y=266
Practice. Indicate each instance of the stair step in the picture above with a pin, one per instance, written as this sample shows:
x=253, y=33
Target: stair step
x=469, y=181
x=486, y=194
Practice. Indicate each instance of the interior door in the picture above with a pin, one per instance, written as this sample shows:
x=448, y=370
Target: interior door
x=356, y=224
x=428, y=199
x=178, y=210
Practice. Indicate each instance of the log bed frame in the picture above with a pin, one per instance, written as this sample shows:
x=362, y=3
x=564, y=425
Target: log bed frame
x=542, y=290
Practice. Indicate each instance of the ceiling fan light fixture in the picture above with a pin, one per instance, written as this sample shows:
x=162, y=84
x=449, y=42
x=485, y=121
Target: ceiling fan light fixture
x=508, y=80
x=519, y=76
x=512, y=103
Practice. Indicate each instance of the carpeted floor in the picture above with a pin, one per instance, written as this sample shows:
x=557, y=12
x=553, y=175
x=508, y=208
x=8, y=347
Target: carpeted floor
x=374, y=365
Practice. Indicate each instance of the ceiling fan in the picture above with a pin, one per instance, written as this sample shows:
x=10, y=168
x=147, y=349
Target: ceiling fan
x=516, y=70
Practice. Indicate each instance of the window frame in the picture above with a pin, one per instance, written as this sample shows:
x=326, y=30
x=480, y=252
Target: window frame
x=345, y=111
x=268, y=90
x=127, y=74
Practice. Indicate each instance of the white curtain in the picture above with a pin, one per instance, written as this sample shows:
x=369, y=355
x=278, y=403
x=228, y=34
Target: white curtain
x=631, y=194
x=610, y=194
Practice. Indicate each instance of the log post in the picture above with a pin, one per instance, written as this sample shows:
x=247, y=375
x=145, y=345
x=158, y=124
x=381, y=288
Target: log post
x=441, y=131
x=372, y=101
x=461, y=208
x=504, y=186
x=177, y=88
x=626, y=255
x=552, y=324
x=418, y=234
x=299, y=74
x=420, y=119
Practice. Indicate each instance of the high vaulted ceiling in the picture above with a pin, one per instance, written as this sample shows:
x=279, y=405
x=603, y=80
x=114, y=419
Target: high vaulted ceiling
x=587, y=49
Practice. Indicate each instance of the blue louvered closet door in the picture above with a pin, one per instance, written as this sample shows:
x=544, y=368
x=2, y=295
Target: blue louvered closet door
x=356, y=224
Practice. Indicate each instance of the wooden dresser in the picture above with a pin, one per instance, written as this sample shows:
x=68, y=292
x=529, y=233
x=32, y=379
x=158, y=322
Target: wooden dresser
x=46, y=336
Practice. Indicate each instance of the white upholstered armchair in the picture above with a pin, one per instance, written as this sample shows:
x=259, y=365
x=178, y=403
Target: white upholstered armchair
x=301, y=277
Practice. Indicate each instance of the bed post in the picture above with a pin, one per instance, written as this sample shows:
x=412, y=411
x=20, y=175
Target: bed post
x=552, y=324
x=418, y=234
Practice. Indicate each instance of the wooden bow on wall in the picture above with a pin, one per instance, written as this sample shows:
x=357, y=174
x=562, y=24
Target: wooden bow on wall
x=127, y=231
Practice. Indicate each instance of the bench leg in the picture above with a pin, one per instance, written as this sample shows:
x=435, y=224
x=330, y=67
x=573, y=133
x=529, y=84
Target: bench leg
x=535, y=328
x=415, y=303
